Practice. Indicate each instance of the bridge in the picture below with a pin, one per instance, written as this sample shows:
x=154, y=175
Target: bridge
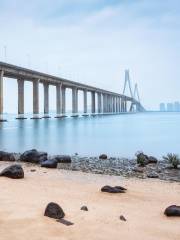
x=107, y=102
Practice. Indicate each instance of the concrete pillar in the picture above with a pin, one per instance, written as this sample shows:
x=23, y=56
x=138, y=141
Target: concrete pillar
x=125, y=105
x=20, y=96
x=1, y=92
x=58, y=99
x=36, y=96
x=63, y=89
x=85, y=101
x=122, y=104
x=117, y=104
x=74, y=100
x=99, y=103
x=46, y=98
x=114, y=104
x=93, y=106
x=103, y=103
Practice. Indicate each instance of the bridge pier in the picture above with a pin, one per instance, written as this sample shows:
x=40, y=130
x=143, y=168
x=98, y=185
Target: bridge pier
x=58, y=101
x=99, y=103
x=36, y=99
x=63, y=89
x=93, y=103
x=85, y=102
x=46, y=100
x=20, y=83
x=74, y=102
x=1, y=97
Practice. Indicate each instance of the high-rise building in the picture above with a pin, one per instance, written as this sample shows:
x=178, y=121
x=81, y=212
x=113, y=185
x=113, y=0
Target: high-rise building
x=177, y=106
x=162, y=107
x=170, y=107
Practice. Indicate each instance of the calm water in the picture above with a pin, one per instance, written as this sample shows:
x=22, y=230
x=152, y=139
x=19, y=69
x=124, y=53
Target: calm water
x=120, y=135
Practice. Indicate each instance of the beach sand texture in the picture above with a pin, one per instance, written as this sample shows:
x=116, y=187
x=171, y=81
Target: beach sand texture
x=22, y=205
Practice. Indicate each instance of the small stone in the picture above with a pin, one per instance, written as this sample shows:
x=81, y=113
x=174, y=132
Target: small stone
x=53, y=210
x=110, y=189
x=152, y=175
x=138, y=169
x=103, y=156
x=172, y=211
x=33, y=170
x=122, y=218
x=84, y=208
x=14, y=171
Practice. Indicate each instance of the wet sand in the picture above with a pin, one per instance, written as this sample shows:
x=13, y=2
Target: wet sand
x=22, y=205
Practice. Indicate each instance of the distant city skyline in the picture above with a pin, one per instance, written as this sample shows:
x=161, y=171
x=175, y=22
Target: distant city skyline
x=93, y=42
x=170, y=107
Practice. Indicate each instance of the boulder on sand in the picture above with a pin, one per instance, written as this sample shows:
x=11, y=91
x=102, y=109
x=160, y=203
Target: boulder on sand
x=84, y=208
x=116, y=189
x=50, y=163
x=14, y=171
x=53, y=210
x=33, y=156
x=172, y=211
x=5, y=156
x=103, y=156
x=62, y=158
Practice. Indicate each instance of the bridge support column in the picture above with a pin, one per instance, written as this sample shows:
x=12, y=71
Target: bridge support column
x=20, y=83
x=46, y=100
x=35, y=99
x=122, y=104
x=125, y=105
x=117, y=110
x=58, y=101
x=63, y=89
x=1, y=97
x=93, y=106
x=99, y=103
x=85, y=101
x=75, y=101
x=114, y=104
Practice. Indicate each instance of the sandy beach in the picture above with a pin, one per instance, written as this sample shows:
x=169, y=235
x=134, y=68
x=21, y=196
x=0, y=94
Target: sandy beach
x=23, y=203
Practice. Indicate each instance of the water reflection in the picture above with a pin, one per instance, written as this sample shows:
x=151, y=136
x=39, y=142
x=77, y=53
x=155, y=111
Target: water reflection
x=119, y=135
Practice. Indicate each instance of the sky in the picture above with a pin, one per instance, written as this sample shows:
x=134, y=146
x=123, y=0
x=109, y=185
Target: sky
x=93, y=42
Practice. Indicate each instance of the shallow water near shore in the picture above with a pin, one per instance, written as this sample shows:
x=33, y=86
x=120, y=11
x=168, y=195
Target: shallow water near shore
x=117, y=135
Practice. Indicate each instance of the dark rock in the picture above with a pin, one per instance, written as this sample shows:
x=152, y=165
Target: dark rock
x=62, y=158
x=152, y=159
x=110, y=189
x=53, y=210
x=152, y=175
x=122, y=218
x=33, y=156
x=33, y=170
x=172, y=211
x=84, y=208
x=51, y=163
x=14, y=171
x=5, y=156
x=103, y=156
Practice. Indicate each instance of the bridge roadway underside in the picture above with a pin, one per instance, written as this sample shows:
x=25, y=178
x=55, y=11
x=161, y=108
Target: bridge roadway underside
x=107, y=102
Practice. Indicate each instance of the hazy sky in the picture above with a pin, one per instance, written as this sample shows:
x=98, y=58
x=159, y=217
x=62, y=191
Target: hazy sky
x=93, y=41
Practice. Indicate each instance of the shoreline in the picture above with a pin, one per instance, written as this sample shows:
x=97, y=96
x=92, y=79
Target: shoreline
x=112, y=166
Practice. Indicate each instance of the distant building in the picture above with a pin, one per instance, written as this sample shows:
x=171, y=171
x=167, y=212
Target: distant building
x=162, y=107
x=177, y=107
x=170, y=107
